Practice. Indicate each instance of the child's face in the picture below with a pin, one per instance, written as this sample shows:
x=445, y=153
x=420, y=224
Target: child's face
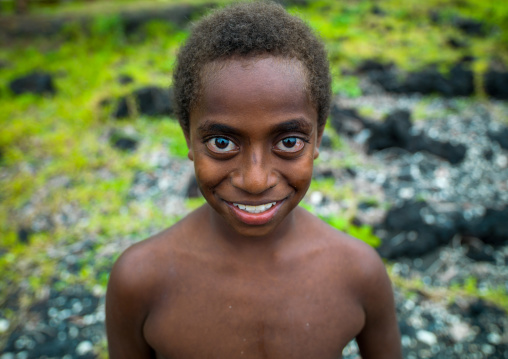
x=253, y=138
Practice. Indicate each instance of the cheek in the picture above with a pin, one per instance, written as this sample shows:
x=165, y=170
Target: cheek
x=301, y=174
x=208, y=175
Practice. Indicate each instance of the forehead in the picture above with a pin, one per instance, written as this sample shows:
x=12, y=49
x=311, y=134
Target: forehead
x=262, y=85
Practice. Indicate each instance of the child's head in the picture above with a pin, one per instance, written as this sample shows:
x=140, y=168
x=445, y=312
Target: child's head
x=249, y=30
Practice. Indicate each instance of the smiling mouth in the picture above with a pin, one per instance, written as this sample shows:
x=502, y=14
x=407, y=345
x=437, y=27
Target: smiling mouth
x=255, y=209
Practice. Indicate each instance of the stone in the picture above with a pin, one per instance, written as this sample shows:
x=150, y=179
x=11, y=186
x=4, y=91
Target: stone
x=126, y=144
x=4, y=325
x=84, y=347
x=125, y=79
x=461, y=80
x=370, y=65
x=39, y=83
x=500, y=137
x=393, y=132
x=470, y=26
x=491, y=228
x=411, y=230
x=346, y=121
x=496, y=84
x=426, y=337
x=150, y=101
x=24, y=235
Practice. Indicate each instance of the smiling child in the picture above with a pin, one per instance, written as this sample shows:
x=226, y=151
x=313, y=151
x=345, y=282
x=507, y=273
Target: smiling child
x=250, y=274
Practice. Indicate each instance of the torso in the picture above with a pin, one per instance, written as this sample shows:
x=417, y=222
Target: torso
x=302, y=304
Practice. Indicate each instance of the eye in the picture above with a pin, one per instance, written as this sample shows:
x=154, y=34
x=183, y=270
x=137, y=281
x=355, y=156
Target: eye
x=221, y=145
x=290, y=144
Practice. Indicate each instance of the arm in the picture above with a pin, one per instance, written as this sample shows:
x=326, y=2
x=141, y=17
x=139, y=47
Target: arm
x=380, y=337
x=127, y=308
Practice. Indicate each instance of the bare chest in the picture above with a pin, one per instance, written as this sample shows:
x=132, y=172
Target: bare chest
x=235, y=314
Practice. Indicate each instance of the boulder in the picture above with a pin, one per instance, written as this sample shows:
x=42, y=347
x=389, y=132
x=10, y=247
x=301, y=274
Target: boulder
x=470, y=26
x=496, y=84
x=395, y=131
x=491, y=228
x=413, y=229
x=150, y=101
x=346, y=120
x=459, y=81
x=125, y=79
x=123, y=142
x=39, y=83
x=500, y=137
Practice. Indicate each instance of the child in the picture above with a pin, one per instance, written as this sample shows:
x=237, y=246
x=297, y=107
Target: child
x=250, y=274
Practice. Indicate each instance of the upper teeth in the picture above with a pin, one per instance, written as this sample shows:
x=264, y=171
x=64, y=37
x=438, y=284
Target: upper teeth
x=254, y=209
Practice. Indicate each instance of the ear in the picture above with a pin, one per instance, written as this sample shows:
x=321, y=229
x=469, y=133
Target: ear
x=190, y=154
x=318, y=141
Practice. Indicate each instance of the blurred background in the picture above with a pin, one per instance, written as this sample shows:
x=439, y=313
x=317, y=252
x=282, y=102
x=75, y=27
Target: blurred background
x=414, y=160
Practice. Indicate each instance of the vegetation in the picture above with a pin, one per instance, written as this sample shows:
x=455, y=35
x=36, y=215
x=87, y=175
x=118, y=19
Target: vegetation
x=56, y=157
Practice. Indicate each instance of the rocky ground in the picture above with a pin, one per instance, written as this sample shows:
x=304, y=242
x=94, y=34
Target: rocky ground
x=446, y=227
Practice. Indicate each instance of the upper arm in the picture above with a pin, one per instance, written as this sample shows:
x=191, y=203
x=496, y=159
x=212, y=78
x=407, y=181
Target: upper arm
x=127, y=307
x=380, y=337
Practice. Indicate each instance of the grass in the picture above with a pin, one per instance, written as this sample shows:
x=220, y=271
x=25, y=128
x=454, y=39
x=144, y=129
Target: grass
x=55, y=150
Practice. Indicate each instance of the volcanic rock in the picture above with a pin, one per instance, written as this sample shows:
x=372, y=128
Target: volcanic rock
x=496, y=84
x=39, y=83
x=150, y=101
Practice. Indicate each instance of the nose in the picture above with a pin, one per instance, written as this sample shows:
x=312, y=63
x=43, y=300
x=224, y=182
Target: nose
x=254, y=175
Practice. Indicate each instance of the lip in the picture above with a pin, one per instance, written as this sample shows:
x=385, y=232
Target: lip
x=255, y=219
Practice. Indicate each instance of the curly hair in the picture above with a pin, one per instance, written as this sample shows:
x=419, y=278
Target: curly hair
x=248, y=30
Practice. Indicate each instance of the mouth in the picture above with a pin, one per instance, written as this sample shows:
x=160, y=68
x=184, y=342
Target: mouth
x=255, y=214
x=255, y=209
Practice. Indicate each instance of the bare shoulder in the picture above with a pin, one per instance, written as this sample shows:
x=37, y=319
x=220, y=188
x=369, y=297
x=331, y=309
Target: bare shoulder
x=362, y=262
x=138, y=279
x=138, y=271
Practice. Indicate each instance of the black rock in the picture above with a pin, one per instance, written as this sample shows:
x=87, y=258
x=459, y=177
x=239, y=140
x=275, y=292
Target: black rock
x=455, y=43
x=125, y=79
x=461, y=80
x=122, y=141
x=376, y=10
x=458, y=82
x=488, y=154
x=492, y=228
x=479, y=254
x=346, y=120
x=125, y=144
x=500, y=137
x=496, y=84
x=37, y=82
x=372, y=65
x=452, y=153
x=387, y=79
x=470, y=26
x=412, y=230
x=393, y=132
x=426, y=82
x=326, y=141
x=24, y=235
x=150, y=101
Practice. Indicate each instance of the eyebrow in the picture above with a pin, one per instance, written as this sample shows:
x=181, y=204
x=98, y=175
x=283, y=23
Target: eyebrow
x=297, y=124
x=214, y=127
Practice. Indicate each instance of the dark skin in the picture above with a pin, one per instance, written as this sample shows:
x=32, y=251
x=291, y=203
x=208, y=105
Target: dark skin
x=226, y=282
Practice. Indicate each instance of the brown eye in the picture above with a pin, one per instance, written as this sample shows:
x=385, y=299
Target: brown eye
x=221, y=145
x=290, y=144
